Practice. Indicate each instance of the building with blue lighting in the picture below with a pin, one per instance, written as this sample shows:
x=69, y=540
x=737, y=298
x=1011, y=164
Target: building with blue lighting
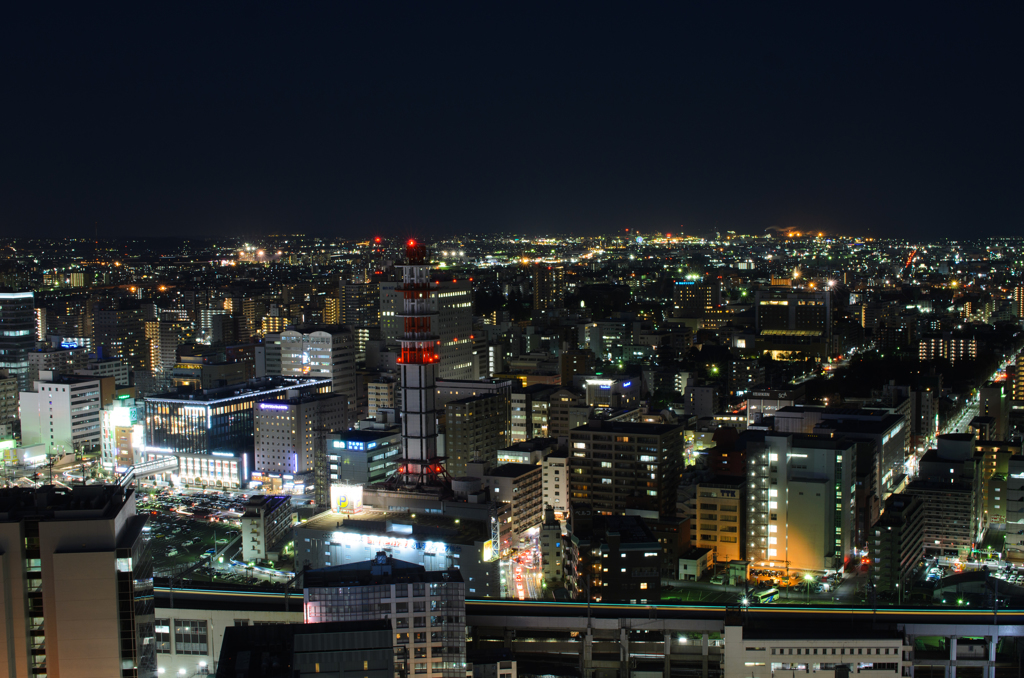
x=212, y=431
x=364, y=456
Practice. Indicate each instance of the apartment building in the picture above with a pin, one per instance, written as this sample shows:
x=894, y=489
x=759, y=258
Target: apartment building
x=614, y=466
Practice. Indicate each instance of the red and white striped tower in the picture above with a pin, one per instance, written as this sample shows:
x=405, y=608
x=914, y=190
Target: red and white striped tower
x=421, y=465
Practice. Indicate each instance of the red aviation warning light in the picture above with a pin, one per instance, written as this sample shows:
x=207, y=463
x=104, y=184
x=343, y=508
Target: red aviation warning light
x=415, y=252
x=377, y=240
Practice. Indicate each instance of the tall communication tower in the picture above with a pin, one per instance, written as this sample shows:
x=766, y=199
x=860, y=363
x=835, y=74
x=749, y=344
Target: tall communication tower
x=420, y=466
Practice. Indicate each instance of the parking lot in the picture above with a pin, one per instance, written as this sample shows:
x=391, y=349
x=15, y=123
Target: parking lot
x=179, y=542
x=184, y=527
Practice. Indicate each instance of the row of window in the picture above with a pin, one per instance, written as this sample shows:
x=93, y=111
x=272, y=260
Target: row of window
x=190, y=636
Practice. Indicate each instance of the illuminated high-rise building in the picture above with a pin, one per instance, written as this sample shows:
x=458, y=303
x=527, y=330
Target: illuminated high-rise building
x=326, y=351
x=419, y=363
x=1018, y=384
x=18, y=318
x=548, y=287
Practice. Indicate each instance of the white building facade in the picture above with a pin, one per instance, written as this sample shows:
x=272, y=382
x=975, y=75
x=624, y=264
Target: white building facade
x=62, y=413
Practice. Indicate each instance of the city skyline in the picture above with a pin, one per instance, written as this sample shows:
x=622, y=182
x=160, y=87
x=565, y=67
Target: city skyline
x=341, y=120
x=511, y=340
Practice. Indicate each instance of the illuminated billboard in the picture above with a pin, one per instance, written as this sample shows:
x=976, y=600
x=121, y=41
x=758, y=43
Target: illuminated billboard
x=346, y=498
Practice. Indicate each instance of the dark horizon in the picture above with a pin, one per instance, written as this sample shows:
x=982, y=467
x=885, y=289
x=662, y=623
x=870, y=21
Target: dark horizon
x=351, y=120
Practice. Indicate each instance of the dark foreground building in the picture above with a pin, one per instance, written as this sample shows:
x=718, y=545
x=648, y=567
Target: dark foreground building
x=336, y=649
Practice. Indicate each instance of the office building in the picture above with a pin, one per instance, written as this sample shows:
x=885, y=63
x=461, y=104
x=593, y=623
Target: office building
x=793, y=324
x=122, y=437
x=57, y=359
x=266, y=523
x=530, y=408
x=8, y=400
x=447, y=390
x=78, y=583
x=924, y=417
x=994, y=402
x=62, y=412
x=766, y=649
x=206, y=371
x=218, y=419
x=18, y=317
x=616, y=393
x=381, y=394
x=427, y=609
x=611, y=559
x=1015, y=508
x=548, y=287
x=363, y=649
x=566, y=411
x=716, y=513
x=700, y=401
x=896, y=544
x=949, y=516
x=99, y=365
x=614, y=466
x=359, y=304
x=552, y=550
x=607, y=337
x=290, y=432
x=800, y=507
x=1018, y=383
x=888, y=434
x=764, y=402
x=690, y=295
x=364, y=456
x=190, y=633
x=527, y=451
x=454, y=328
x=555, y=473
x=518, y=485
x=453, y=307
x=475, y=429
x=121, y=331
x=457, y=537
x=325, y=352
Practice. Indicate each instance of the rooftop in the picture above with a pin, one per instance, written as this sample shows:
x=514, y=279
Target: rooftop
x=426, y=526
x=532, y=445
x=695, y=553
x=272, y=650
x=81, y=502
x=382, y=570
x=627, y=427
x=250, y=390
x=366, y=435
x=512, y=470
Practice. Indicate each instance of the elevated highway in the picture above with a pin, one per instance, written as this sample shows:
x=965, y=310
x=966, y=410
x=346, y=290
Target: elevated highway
x=602, y=640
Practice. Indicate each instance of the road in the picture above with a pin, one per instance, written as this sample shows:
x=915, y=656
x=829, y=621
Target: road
x=521, y=574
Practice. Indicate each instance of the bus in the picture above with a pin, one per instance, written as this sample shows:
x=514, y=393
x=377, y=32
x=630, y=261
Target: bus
x=762, y=597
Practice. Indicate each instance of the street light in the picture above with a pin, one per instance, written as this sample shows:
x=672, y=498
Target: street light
x=808, y=578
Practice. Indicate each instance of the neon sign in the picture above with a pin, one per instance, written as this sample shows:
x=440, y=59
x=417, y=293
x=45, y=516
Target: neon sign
x=378, y=541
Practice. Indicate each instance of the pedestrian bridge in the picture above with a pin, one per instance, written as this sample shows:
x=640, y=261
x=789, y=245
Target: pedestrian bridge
x=162, y=464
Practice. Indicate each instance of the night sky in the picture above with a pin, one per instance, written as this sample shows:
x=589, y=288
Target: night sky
x=346, y=118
